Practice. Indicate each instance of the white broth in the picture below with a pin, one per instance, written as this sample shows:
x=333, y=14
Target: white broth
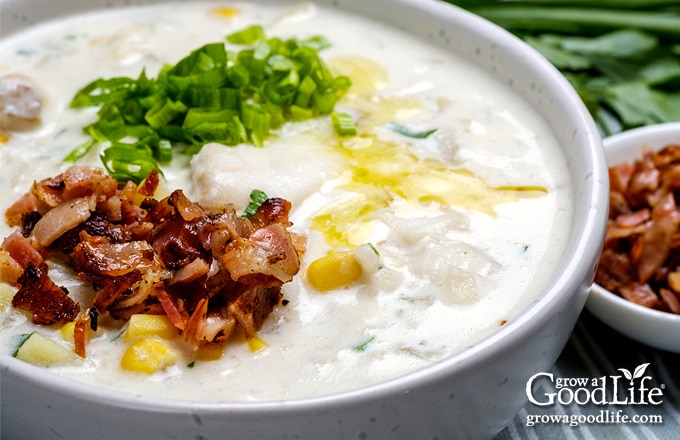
x=469, y=222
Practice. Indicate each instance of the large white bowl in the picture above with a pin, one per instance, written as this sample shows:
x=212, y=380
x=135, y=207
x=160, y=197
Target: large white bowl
x=652, y=327
x=470, y=395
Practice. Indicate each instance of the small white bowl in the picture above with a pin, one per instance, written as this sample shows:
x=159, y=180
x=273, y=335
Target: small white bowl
x=652, y=327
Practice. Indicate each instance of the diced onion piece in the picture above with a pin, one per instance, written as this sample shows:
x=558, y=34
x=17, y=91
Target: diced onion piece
x=368, y=257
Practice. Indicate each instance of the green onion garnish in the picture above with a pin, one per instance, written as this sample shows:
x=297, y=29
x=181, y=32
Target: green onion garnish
x=257, y=198
x=343, y=124
x=18, y=341
x=409, y=131
x=364, y=345
x=212, y=95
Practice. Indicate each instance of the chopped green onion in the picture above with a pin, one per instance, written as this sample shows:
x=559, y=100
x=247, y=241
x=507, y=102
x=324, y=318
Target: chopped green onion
x=410, y=131
x=364, y=345
x=257, y=198
x=211, y=95
x=343, y=124
x=80, y=151
x=125, y=163
x=18, y=341
x=249, y=35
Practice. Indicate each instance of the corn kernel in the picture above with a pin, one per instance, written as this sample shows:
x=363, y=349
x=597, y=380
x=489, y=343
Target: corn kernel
x=67, y=331
x=148, y=356
x=256, y=344
x=150, y=325
x=335, y=270
x=210, y=352
x=226, y=12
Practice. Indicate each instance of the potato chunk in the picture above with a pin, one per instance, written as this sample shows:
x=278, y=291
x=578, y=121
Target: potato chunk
x=42, y=351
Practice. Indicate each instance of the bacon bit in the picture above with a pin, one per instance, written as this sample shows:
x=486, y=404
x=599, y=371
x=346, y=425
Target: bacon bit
x=269, y=251
x=671, y=299
x=38, y=295
x=179, y=317
x=22, y=250
x=641, y=256
x=10, y=270
x=188, y=210
x=253, y=306
x=149, y=185
x=64, y=217
x=208, y=271
x=190, y=272
x=80, y=334
x=27, y=203
x=633, y=219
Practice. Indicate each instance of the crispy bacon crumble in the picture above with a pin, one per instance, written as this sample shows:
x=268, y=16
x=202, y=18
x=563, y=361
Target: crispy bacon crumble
x=641, y=256
x=208, y=271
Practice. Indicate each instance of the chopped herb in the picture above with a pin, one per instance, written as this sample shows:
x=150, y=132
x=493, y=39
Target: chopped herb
x=19, y=340
x=410, y=131
x=343, y=124
x=257, y=198
x=372, y=246
x=622, y=57
x=525, y=248
x=362, y=346
x=191, y=364
x=211, y=95
x=118, y=336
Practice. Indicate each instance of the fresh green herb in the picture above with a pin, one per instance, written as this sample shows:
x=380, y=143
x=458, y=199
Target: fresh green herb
x=191, y=364
x=212, y=95
x=375, y=249
x=621, y=56
x=80, y=151
x=343, y=124
x=19, y=340
x=525, y=248
x=118, y=335
x=410, y=131
x=363, y=345
x=257, y=198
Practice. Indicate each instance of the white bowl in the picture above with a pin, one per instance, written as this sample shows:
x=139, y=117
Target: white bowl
x=652, y=327
x=473, y=394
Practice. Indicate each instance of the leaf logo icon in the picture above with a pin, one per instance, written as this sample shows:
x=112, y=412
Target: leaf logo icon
x=627, y=374
x=639, y=372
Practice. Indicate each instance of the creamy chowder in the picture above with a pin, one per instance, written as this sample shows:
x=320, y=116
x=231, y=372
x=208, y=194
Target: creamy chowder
x=456, y=231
